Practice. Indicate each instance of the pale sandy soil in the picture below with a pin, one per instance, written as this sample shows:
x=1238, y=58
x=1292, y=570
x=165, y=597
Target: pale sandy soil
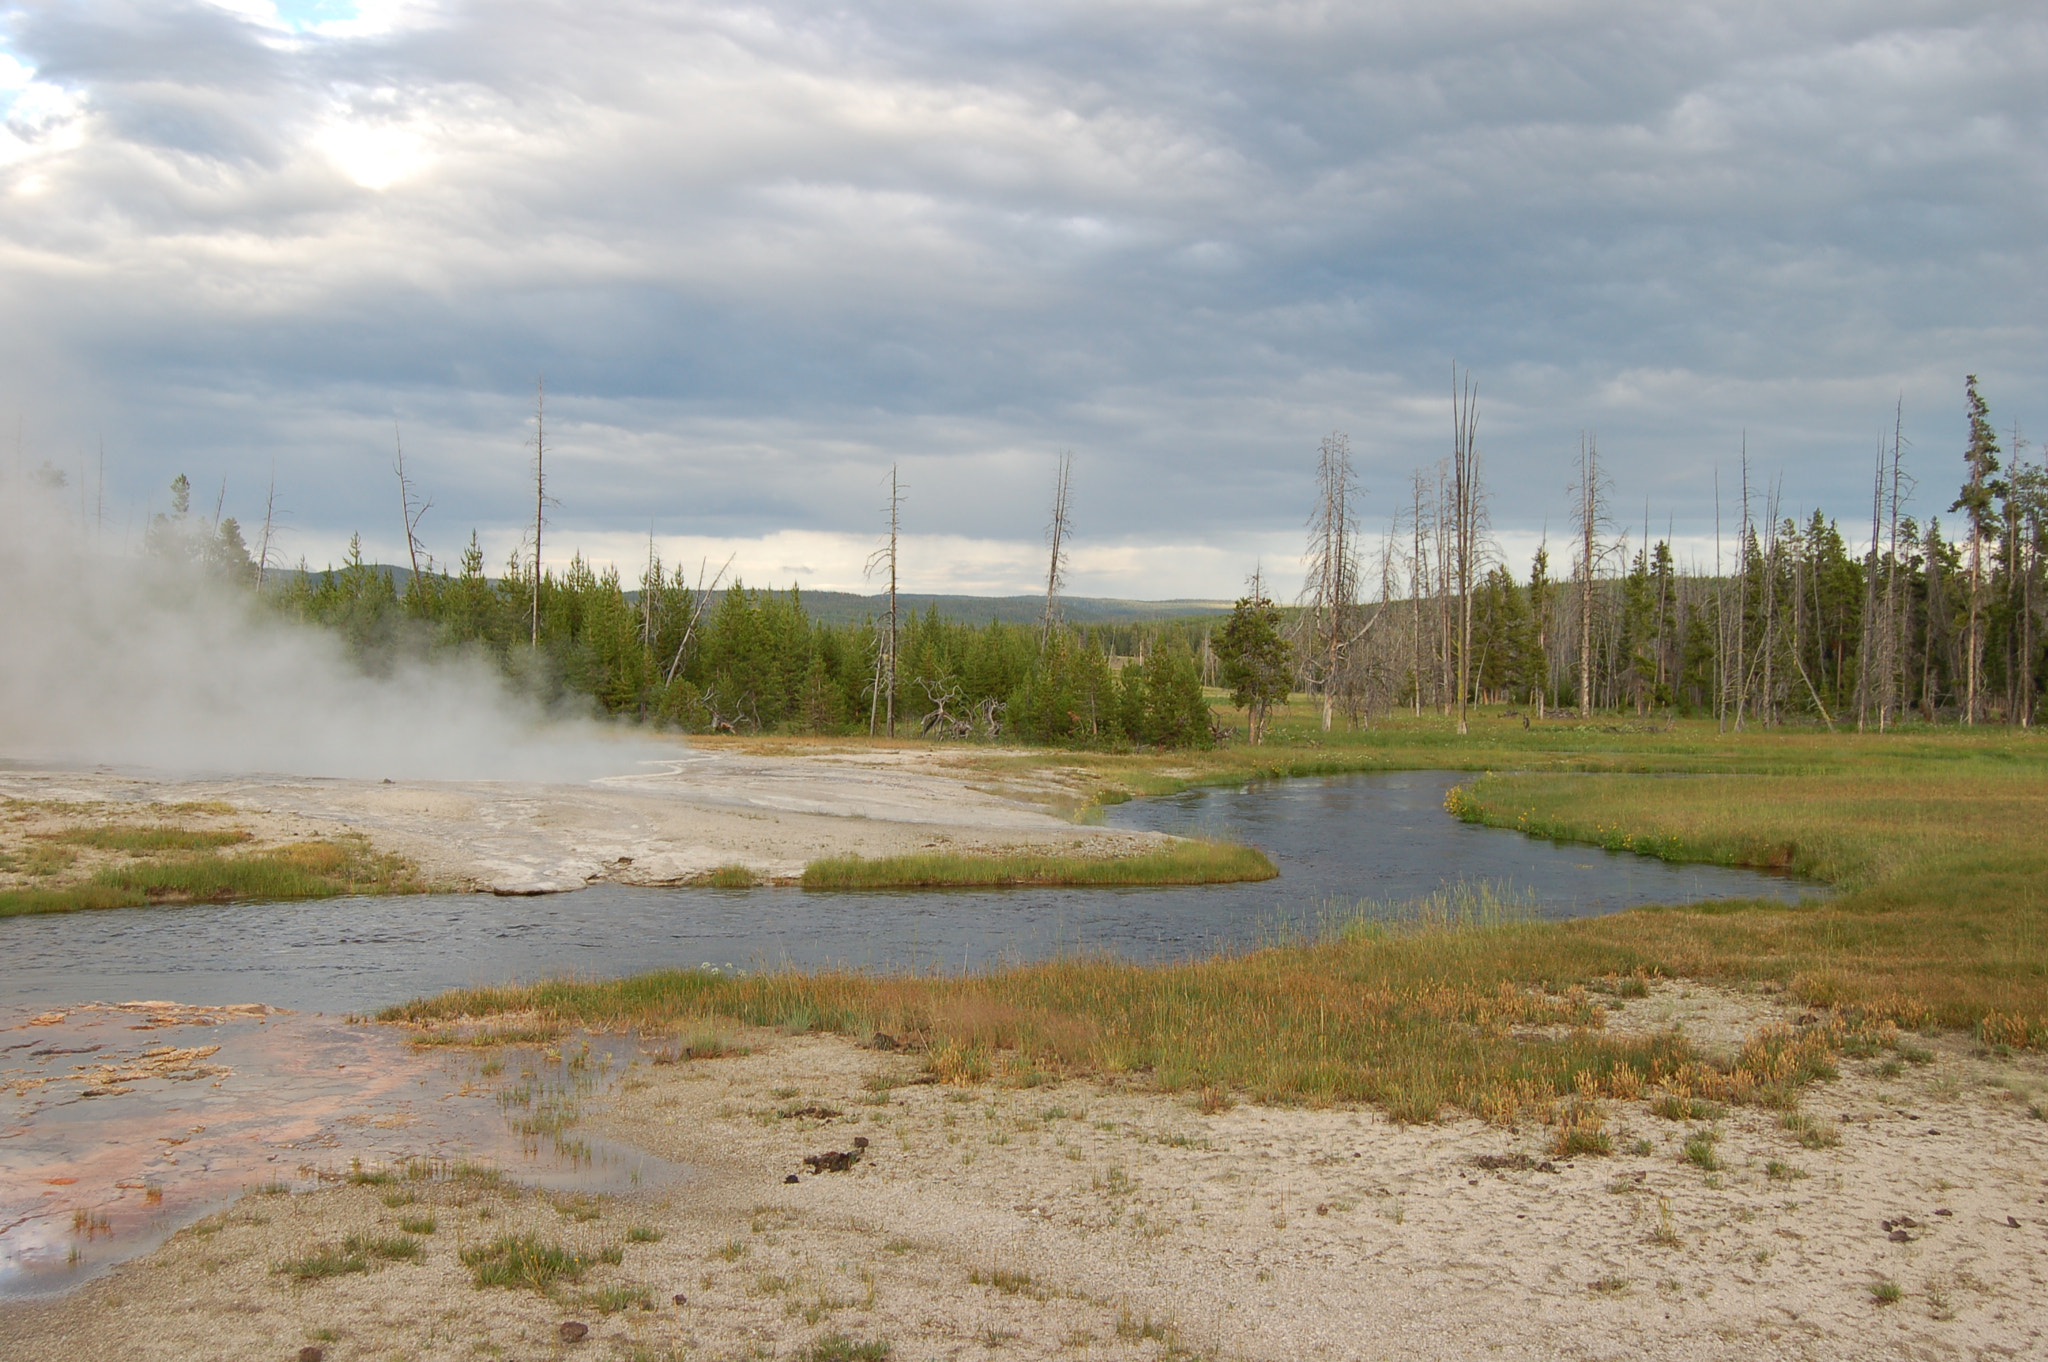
x=1091, y=1221
x=656, y=822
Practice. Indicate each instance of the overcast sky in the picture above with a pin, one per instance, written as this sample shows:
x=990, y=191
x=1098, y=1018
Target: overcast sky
x=762, y=251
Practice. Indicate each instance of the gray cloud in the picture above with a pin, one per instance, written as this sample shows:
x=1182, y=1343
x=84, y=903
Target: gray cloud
x=762, y=251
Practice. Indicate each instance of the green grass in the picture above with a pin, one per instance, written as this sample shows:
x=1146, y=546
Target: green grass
x=304, y=870
x=353, y=1254
x=1181, y=862
x=1939, y=919
x=728, y=877
x=327, y=1260
x=609, y=1300
x=524, y=1260
x=152, y=840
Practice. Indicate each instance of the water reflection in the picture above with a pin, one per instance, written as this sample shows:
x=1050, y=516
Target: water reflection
x=1337, y=841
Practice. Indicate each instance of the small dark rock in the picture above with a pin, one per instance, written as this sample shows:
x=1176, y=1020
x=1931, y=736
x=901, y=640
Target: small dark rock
x=1944, y=1211
x=1901, y=1237
x=1546, y=1167
x=792, y=1178
x=832, y=1161
x=309, y=1353
x=860, y=1142
x=1494, y=1163
x=682, y=1300
x=1322, y=1208
x=882, y=1040
x=1907, y=1222
x=574, y=1331
x=2011, y=1223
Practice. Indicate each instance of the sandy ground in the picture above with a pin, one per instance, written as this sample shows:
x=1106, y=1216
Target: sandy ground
x=662, y=822
x=1091, y=1221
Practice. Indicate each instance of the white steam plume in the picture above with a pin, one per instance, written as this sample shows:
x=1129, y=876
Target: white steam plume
x=143, y=663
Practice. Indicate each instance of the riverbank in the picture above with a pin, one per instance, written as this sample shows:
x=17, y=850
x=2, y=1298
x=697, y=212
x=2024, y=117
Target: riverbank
x=689, y=814
x=1106, y=1219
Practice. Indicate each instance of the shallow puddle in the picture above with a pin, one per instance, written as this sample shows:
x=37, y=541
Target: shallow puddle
x=122, y=1123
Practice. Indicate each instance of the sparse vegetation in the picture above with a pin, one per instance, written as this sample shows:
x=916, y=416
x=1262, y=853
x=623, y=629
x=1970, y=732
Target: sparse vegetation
x=524, y=1260
x=314, y=869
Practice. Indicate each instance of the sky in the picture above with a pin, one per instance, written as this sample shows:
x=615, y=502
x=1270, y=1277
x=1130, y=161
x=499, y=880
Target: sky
x=761, y=253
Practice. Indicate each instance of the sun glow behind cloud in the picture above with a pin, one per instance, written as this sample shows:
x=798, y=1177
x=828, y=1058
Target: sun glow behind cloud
x=374, y=155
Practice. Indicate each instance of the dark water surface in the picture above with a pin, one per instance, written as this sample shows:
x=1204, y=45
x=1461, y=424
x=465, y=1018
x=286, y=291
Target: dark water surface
x=1338, y=841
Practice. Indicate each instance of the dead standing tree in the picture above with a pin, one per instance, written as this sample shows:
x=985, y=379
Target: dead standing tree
x=1330, y=588
x=540, y=491
x=1056, y=536
x=882, y=692
x=411, y=507
x=698, y=600
x=1591, y=510
x=1468, y=521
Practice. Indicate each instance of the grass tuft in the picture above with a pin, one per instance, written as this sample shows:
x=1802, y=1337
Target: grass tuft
x=524, y=1260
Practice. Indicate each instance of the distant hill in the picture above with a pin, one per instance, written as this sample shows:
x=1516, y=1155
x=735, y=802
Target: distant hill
x=847, y=607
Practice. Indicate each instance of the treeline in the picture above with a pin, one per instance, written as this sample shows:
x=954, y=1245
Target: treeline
x=736, y=659
x=1914, y=620
x=1911, y=619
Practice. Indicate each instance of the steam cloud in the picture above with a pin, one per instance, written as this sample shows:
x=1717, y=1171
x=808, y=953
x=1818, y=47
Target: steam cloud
x=143, y=663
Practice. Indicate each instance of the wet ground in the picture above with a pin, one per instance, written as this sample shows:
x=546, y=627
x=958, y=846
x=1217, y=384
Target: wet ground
x=122, y=1121
x=120, y=1124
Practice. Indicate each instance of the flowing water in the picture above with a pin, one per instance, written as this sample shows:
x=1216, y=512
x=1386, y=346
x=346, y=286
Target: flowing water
x=122, y=1121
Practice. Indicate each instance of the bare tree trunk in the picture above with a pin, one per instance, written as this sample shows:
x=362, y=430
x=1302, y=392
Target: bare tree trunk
x=1417, y=575
x=1467, y=513
x=269, y=514
x=883, y=695
x=409, y=510
x=1894, y=627
x=1331, y=584
x=1866, y=643
x=540, y=493
x=1056, y=533
x=1742, y=541
x=1589, y=558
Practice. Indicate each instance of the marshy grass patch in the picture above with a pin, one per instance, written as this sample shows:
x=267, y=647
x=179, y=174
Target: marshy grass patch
x=149, y=841
x=1181, y=862
x=416, y=1224
x=1885, y=1291
x=726, y=877
x=314, y=869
